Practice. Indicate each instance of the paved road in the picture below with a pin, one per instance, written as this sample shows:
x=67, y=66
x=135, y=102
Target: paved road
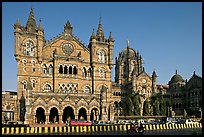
x=156, y=132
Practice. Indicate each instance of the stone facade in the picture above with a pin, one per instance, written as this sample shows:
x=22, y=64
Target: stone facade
x=62, y=78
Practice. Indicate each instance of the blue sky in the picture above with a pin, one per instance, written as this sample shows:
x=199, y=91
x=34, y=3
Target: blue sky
x=167, y=35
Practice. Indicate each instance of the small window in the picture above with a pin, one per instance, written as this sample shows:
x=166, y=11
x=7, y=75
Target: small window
x=75, y=70
x=44, y=69
x=60, y=69
x=50, y=69
x=87, y=90
x=65, y=70
x=84, y=72
x=70, y=69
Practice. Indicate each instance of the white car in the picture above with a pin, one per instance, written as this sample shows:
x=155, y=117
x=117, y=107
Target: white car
x=189, y=121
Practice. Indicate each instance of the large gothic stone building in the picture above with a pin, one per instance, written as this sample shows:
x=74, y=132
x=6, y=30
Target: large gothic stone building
x=63, y=78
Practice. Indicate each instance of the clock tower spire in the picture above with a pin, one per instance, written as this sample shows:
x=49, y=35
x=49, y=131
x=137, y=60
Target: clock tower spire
x=31, y=23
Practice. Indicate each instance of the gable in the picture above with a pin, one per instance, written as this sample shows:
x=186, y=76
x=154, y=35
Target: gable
x=67, y=47
x=82, y=102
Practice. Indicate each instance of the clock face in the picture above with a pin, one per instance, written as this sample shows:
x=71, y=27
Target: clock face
x=143, y=80
x=68, y=48
x=29, y=48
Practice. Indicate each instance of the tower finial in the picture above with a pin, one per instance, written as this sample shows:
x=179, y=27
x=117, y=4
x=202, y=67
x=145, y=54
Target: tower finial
x=128, y=43
x=176, y=71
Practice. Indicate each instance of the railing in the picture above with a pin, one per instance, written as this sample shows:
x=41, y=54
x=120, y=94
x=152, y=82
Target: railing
x=93, y=128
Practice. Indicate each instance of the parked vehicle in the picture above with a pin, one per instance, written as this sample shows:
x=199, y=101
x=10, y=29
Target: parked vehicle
x=76, y=122
x=15, y=124
x=189, y=121
x=135, y=128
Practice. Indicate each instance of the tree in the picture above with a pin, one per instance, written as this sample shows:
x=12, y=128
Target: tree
x=156, y=107
x=136, y=105
x=163, y=106
x=146, y=108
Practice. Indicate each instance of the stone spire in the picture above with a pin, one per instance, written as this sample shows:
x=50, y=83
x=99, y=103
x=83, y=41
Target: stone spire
x=93, y=36
x=154, y=76
x=68, y=28
x=31, y=23
x=40, y=26
x=100, y=34
x=110, y=39
x=18, y=24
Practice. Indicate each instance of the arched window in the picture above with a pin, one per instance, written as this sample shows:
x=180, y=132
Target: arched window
x=24, y=85
x=102, y=73
x=65, y=70
x=89, y=72
x=87, y=90
x=44, y=69
x=50, y=69
x=33, y=66
x=101, y=56
x=60, y=69
x=47, y=88
x=75, y=70
x=24, y=65
x=70, y=69
x=83, y=72
x=33, y=83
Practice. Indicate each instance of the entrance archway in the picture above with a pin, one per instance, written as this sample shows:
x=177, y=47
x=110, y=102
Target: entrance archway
x=82, y=114
x=54, y=117
x=40, y=115
x=94, y=114
x=68, y=112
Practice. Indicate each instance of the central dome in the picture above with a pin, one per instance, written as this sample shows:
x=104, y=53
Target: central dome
x=176, y=78
x=128, y=52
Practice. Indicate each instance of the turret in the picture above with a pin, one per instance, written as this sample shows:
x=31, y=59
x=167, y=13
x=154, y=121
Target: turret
x=31, y=23
x=17, y=30
x=110, y=50
x=154, y=82
x=40, y=41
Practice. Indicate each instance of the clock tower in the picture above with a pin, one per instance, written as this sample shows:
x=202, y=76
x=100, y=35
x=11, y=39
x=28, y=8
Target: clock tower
x=29, y=41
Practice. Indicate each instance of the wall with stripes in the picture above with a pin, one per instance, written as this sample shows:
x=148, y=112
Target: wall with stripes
x=58, y=130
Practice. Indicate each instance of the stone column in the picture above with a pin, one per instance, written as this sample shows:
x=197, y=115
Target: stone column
x=97, y=115
x=34, y=119
x=76, y=116
x=88, y=117
x=46, y=118
x=60, y=118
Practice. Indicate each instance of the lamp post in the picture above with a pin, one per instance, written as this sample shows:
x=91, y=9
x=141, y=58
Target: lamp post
x=200, y=112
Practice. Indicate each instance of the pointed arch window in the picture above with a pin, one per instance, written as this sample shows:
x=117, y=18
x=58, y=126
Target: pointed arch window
x=87, y=90
x=101, y=56
x=75, y=70
x=70, y=69
x=60, y=69
x=65, y=70
x=89, y=72
x=47, y=88
x=24, y=85
x=83, y=72
x=24, y=65
x=44, y=69
x=33, y=66
x=33, y=83
x=50, y=69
